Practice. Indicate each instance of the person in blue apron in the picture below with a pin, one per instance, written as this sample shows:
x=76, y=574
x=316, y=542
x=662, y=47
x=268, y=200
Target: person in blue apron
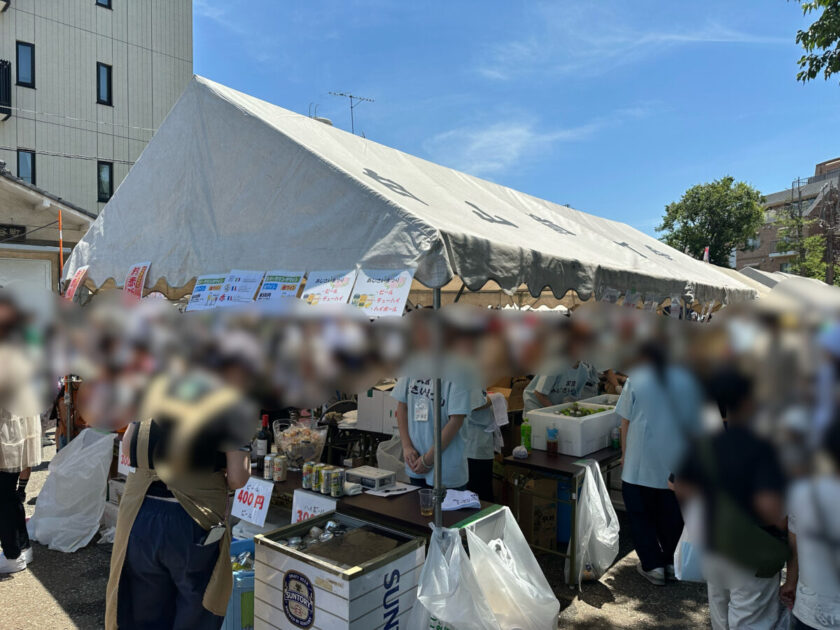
x=415, y=420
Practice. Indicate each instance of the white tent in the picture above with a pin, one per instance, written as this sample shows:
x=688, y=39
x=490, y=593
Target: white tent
x=230, y=181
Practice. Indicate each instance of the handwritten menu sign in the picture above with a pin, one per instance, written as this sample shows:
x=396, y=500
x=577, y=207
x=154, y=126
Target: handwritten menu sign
x=77, y=280
x=280, y=284
x=382, y=292
x=205, y=295
x=240, y=287
x=328, y=287
x=251, y=503
x=305, y=505
x=135, y=280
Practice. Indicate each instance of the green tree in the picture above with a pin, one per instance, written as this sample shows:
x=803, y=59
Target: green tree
x=802, y=236
x=722, y=215
x=821, y=41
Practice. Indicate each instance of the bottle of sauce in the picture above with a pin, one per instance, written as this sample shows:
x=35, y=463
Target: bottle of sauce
x=551, y=441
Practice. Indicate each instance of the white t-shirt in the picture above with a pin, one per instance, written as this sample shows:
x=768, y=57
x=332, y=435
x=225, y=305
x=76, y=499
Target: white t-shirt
x=818, y=545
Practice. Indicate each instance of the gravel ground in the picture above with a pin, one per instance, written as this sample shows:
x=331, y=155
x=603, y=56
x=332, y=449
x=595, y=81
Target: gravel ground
x=61, y=590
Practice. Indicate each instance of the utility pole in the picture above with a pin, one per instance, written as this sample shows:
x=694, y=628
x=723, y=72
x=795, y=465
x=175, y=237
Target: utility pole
x=357, y=99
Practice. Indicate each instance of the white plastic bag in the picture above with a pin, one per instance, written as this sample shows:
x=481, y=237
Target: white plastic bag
x=448, y=590
x=389, y=456
x=688, y=557
x=785, y=619
x=509, y=576
x=71, y=503
x=597, y=526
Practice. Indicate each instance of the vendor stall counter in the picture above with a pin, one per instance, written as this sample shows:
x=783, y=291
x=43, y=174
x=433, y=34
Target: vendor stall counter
x=544, y=496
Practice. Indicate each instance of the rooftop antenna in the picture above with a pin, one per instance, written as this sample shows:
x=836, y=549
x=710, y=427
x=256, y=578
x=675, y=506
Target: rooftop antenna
x=358, y=99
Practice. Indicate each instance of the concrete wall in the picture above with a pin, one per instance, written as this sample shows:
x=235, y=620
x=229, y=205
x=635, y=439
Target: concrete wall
x=149, y=45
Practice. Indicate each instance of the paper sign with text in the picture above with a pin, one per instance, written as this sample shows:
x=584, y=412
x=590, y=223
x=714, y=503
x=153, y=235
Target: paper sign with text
x=328, y=287
x=251, y=503
x=308, y=504
x=124, y=465
x=240, y=287
x=205, y=294
x=135, y=280
x=380, y=293
x=280, y=284
x=77, y=280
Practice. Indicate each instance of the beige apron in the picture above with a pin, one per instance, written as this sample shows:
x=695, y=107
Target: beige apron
x=203, y=496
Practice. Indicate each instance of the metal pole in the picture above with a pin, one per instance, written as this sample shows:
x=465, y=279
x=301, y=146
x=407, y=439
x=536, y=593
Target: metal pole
x=438, y=426
x=68, y=409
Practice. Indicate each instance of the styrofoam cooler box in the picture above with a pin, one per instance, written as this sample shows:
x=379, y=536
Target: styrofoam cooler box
x=576, y=436
x=298, y=589
x=604, y=399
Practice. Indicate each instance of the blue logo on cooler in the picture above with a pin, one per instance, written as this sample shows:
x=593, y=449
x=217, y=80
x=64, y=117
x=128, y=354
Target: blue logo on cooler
x=391, y=607
x=298, y=599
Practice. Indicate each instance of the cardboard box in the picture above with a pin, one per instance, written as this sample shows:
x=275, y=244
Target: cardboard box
x=374, y=406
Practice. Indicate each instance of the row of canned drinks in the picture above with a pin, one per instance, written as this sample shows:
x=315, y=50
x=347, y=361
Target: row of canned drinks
x=323, y=478
x=275, y=467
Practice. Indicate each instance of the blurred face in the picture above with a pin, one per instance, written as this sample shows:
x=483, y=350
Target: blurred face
x=8, y=318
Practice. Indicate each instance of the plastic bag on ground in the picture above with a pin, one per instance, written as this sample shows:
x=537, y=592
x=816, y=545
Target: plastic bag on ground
x=71, y=503
x=597, y=527
x=448, y=590
x=785, y=619
x=509, y=576
x=688, y=557
x=389, y=457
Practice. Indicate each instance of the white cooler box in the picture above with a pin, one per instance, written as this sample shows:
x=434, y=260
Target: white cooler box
x=575, y=436
x=366, y=584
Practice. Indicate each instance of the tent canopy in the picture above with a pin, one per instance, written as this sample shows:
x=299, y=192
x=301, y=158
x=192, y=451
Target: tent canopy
x=233, y=182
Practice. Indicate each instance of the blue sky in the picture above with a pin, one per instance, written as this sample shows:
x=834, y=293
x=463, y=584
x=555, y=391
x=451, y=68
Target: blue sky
x=614, y=108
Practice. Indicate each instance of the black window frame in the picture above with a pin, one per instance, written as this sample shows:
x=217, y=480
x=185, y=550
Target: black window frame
x=30, y=84
x=110, y=166
x=33, y=177
x=110, y=101
x=105, y=4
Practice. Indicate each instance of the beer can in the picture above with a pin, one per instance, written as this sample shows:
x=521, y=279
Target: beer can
x=268, y=467
x=337, y=482
x=281, y=468
x=326, y=473
x=306, y=474
x=317, y=473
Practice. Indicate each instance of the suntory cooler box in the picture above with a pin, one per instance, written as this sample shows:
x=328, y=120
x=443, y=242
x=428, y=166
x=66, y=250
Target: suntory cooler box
x=577, y=436
x=335, y=572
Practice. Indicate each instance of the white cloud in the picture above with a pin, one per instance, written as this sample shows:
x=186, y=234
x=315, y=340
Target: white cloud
x=566, y=40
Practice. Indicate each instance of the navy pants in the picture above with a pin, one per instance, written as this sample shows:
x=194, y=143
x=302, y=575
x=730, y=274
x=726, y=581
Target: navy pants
x=166, y=571
x=13, y=536
x=481, y=478
x=656, y=523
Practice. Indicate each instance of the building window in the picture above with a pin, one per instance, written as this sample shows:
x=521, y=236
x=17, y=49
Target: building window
x=103, y=84
x=104, y=180
x=785, y=267
x=26, y=166
x=104, y=3
x=26, y=64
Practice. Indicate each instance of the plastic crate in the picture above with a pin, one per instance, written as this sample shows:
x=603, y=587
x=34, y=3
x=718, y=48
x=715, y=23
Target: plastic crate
x=240, y=610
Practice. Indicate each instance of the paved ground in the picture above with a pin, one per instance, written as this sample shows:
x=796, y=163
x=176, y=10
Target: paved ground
x=61, y=590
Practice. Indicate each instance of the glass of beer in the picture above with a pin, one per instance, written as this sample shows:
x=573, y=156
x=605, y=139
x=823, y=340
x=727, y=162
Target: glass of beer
x=427, y=502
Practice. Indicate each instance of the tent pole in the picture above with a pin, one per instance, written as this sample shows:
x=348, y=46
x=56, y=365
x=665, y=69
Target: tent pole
x=438, y=427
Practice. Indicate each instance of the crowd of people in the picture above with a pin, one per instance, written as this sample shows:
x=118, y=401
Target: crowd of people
x=738, y=416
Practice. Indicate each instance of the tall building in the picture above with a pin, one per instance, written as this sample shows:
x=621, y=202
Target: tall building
x=83, y=86
x=765, y=251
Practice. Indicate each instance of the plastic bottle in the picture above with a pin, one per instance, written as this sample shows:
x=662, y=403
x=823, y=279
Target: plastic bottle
x=615, y=438
x=525, y=434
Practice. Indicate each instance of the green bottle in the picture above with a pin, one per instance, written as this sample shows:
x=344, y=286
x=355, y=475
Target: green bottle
x=525, y=434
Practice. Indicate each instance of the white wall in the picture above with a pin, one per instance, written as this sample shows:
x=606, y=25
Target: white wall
x=149, y=45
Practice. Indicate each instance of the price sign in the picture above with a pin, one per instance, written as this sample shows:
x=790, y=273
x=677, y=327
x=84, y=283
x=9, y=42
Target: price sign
x=308, y=504
x=123, y=465
x=135, y=280
x=251, y=503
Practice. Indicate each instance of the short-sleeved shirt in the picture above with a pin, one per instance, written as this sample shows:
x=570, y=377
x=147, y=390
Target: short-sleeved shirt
x=575, y=383
x=746, y=465
x=479, y=443
x=814, y=516
x=664, y=413
x=456, y=400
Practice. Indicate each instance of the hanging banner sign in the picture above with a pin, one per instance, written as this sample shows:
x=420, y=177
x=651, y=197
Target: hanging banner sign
x=328, y=287
x=240, y=287
x=280, y=284
x=77, y=280
x=251, y=503
x=136, y=280
x=206, y=292
x=382, y=292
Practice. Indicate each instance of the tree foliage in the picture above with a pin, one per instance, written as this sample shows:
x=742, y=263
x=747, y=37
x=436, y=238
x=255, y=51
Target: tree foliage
x=722, y=215
x=801, y=235
x=821, y=41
